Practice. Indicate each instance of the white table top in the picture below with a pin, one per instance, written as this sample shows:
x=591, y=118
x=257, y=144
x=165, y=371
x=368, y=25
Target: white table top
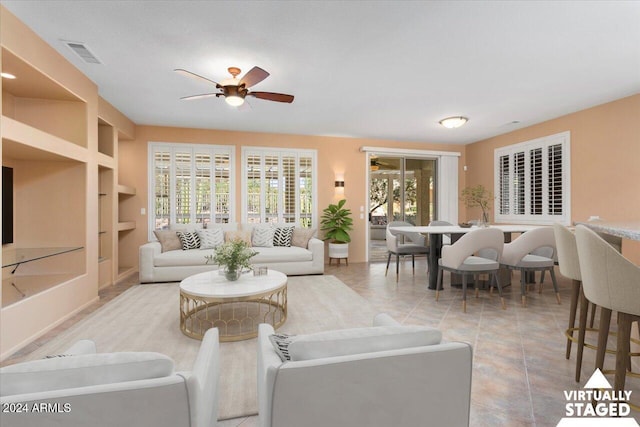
x=624, y=229
x=211, y=284
x=454, y=229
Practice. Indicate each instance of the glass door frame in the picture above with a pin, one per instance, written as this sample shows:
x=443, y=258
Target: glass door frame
x=446, y=180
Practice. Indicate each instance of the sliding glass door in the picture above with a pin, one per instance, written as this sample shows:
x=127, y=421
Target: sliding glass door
x=400, y=189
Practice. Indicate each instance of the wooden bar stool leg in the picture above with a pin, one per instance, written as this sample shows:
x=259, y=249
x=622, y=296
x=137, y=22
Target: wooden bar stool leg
x=581, y=331
x=622, y=352
x=593, y=314
x=575, y=293
x=603, y=336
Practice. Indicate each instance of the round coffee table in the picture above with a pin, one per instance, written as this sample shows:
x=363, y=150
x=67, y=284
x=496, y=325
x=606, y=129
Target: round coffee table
x=209, y=300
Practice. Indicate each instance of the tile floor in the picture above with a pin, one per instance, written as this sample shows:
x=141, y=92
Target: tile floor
x=519, y=368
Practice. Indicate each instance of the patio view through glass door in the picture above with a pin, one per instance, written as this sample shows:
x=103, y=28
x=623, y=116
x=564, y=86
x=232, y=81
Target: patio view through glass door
x=400, y=189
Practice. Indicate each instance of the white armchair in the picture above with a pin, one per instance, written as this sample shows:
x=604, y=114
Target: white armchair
x=86, y=388
x=376, y=377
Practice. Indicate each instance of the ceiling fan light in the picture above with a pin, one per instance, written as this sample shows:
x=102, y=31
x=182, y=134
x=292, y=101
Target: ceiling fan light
x=453, y=122
x=234, y=101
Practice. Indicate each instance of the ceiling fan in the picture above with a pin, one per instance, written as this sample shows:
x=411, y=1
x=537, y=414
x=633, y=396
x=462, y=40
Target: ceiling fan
x=234, y=89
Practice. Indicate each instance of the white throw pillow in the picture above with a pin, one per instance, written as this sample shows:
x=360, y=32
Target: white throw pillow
x=211, y=238
x=361, y=340
x=262, y=236
x=82, y=371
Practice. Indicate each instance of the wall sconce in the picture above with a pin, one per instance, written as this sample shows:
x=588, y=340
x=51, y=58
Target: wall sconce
x=339, y=183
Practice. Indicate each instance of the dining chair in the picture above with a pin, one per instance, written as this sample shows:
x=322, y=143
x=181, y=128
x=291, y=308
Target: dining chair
x=518, y=255
x=394, y=247
x=460, y=258
x=612, y=282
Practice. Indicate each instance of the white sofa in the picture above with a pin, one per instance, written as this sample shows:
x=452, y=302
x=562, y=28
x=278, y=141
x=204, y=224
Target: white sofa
x=85, y=388
x=176, y=265
x=400, y=376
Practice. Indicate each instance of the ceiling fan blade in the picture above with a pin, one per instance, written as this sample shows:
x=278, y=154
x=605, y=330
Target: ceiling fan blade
x=254, y=76
x=194, y=75
x=271, y=96
x=202, y=95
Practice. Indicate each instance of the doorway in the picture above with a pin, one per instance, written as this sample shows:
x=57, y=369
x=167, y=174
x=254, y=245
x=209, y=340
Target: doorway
x=400, y=189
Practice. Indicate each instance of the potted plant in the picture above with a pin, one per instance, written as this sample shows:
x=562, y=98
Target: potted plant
x=478, y=196
x=336, y=222
x=232, y=257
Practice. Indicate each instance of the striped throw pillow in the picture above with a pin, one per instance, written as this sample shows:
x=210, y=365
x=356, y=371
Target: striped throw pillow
x=282, y=236
x=189, y=240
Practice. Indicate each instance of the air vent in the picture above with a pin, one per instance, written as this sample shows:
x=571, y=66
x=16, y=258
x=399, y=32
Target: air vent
x=82, y=51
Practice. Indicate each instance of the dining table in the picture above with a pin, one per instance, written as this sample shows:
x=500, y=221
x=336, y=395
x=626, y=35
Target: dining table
x=436, y=232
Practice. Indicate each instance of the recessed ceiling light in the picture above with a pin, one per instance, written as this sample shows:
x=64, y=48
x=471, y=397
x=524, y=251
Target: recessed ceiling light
x=453, y=122
x=7, y=75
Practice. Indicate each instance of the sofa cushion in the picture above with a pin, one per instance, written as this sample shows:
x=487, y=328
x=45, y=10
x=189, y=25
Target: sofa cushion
x=211, y=237
x=183, y=258
x=281, y=254
x=169, y=240
x=361, y=340
x=262, y=235
x=82, y=370
x=301, y=236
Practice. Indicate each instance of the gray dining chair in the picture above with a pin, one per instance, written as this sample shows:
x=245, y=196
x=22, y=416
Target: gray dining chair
x=460, y=258
x=397, y=245
x=518, y=255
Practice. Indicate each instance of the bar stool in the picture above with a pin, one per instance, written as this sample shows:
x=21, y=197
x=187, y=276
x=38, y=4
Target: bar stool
x=612, y=282
x=569, y=265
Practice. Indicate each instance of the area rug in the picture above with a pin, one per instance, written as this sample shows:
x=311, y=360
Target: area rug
x=146, y=318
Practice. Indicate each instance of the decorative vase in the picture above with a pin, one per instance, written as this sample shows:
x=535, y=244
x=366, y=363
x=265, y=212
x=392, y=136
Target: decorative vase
x=484, y=222
x=232, y=274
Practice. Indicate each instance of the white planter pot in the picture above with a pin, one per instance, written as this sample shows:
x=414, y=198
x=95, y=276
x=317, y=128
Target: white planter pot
x=338, y=250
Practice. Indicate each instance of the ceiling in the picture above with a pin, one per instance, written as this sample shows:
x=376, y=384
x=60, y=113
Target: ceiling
x=384, y=69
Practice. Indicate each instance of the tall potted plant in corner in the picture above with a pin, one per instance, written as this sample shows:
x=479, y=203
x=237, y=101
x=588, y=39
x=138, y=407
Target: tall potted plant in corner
x=336, y=222
x=478, y=196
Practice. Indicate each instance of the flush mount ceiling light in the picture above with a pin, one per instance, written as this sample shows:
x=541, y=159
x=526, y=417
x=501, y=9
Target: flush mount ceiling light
x=453, y=122
x=7, y=75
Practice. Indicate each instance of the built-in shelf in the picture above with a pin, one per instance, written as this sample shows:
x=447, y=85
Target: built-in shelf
x=126, y=225
x=17, y=287
x=126, y=190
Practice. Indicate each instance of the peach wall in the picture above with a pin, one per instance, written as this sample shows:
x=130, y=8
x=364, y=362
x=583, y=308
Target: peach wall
x=605, y=151
x=335, y=156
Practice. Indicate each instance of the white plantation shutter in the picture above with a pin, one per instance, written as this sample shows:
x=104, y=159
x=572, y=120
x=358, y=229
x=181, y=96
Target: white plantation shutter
x=503, y=174
x=278, y=186
x=189, y=183
x=532, y=181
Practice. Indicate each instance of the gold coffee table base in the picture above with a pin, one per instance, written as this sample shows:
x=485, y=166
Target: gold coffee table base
x=236, y=318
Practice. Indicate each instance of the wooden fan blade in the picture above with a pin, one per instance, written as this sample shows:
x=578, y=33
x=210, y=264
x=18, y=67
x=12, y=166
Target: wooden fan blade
x=254, y=76
x=271, y=96
x=202, y=95
x=194, y=75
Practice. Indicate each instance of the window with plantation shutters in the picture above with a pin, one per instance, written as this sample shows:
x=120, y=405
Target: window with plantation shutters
x=532, y=181
x=189, y=183
x=278, y=186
